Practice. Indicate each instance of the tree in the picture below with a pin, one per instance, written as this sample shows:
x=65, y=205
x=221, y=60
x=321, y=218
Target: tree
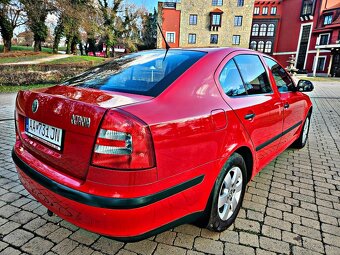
x=110, y=22
x=149, y=31
x=37, y=11
x=11, y=17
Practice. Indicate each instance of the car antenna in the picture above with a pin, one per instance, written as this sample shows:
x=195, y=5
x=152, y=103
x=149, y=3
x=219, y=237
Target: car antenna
x=167, y=46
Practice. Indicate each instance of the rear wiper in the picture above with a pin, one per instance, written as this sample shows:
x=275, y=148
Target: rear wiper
x=167, y=46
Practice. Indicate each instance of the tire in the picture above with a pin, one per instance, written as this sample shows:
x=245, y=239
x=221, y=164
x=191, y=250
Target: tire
x=302, y=140
x=228, y=194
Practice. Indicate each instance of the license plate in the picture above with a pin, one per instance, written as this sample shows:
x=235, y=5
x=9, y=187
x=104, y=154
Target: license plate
x=44, y=133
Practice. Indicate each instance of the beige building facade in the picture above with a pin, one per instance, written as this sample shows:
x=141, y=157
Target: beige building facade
x=207, y=23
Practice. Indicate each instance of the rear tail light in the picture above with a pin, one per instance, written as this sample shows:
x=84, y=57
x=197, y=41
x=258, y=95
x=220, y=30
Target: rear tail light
x=123, y=142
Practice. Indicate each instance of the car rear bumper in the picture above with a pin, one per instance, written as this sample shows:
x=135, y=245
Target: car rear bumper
x=125, y=219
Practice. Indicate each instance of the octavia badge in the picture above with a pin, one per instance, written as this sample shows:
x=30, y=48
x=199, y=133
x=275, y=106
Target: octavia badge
x=80, y=121
x=35, y=106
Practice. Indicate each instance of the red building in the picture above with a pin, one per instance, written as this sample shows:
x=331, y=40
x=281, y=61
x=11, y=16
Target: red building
x=170, y=28
x=307, y=29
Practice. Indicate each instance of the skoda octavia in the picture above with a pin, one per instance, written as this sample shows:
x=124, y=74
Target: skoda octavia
x=155, y=139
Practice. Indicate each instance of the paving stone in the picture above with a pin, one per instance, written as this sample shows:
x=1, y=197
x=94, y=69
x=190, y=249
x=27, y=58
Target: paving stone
x=332, y=250
x=84, y=237
x=107, y=245
x=302, y=251
x=257, y=216
x=3, y=245
x=65, y=247
x=18, y=237
x=331, y=239
x=144, y=247
x=8, y=210
x=291, y=238
x=167, y=237
x=247, y=225
x=260, y=251
x=10, y=251
x=271, y=232
x=331, y=229
x=59, y=235
x=163, y=249
x=184, y=240
x=188, y=229
x=23, y=217
x=8, y=227
x=249, y=239
x=210, y=234
x=274, y=222
x=34, y=224
x=274, y=245
x=37, y=246
x=306, y=231
x=81, y=250
x=236, y=249
x=46, y=229
x=122, y=252
x=208, y=246
x=190, y=252
x=313, y=245
x=229, y=236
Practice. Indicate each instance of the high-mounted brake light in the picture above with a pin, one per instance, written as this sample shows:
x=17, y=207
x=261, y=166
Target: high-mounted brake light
x=123, y=142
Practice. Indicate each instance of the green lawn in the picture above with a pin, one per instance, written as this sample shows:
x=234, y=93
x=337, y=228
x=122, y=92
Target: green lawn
x=11, y=89
x=4, y=60
x=21, y=48
x=77, y=59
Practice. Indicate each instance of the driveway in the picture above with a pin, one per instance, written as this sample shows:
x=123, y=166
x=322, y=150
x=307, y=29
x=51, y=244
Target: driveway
x=291, y=207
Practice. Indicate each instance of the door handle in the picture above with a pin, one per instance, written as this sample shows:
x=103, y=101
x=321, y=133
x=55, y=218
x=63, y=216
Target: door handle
x=250, y=116
x=286, y=106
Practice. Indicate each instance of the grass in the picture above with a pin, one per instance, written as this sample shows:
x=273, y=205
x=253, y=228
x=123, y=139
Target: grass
x=77, y=59
x=4, y=60
x=21, y=48
x=12, y=89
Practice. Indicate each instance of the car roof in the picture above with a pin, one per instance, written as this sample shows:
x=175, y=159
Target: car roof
x=214, y=49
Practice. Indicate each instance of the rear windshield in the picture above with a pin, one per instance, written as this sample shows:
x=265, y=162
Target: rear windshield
x=145, y=73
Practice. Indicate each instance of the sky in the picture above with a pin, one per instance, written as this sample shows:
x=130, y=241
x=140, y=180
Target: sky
x=149, y=4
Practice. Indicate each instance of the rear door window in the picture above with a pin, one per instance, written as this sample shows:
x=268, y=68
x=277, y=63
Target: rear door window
x=254, y=74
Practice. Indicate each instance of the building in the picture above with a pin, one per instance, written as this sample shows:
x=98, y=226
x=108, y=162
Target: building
x=307, y=29
x=205, y=23
x=266, y=24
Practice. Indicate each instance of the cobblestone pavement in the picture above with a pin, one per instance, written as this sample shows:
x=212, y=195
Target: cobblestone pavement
x=291, y=207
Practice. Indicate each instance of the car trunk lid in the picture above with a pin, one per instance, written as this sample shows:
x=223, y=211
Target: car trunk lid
x=76, y=113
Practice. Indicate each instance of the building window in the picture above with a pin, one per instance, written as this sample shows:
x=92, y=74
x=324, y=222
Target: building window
x=170, y=37
x=216, y=20
x=268, y=47
x=236, y=39
x=240, y=3
x=324, y=39
x=255, y=30
x=307, y=7
x=273, y=10
x=321, y=64
x=264, y=10
x=214, y=39
x=271, y=29
x=263, y=30
x=238, y=21
x=253, y=45
x=256, y=10
x=327, y=20
x=217, y=2
x=193, y=19
x=260, y=46
x=192, y=39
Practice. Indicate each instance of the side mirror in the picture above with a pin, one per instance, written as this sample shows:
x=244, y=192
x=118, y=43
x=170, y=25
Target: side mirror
x=305, y=86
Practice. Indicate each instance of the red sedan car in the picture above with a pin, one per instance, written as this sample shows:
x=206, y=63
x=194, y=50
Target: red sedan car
x=153, y=140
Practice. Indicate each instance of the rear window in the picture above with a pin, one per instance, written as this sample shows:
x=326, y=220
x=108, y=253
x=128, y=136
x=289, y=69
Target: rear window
x=145, y=73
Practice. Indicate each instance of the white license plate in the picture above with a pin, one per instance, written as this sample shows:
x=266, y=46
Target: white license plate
x=47, y=134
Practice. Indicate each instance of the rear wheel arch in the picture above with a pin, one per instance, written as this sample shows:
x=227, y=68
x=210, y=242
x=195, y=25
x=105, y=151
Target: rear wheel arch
x=247, y=156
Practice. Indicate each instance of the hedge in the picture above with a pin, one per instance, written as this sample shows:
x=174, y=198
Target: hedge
x=40, y=73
